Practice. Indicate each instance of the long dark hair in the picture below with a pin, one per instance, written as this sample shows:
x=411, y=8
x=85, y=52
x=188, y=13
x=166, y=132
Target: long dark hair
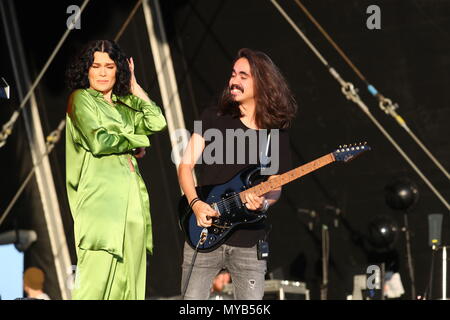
x=275, y=105
x=77, y=72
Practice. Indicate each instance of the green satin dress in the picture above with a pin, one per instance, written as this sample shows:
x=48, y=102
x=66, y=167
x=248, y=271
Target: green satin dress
x=107, y=195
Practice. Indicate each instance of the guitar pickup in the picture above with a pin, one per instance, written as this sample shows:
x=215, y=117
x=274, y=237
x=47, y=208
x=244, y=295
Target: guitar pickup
x=238, y=202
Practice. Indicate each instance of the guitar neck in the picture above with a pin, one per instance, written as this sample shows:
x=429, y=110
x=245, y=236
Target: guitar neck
x=289, y=176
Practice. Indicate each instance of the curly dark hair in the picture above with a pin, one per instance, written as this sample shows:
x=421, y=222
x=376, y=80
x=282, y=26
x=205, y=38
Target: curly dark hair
x=77, y=72
x=275, y=104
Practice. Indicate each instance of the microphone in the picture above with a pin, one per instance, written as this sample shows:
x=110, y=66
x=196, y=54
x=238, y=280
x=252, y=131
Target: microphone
x=4, y=89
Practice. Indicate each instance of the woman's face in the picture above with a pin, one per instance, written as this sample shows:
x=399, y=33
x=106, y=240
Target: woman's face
x=102, y=73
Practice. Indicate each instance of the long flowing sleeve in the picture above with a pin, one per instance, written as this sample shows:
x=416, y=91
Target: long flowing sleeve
x=149, y=118
x=97, y=137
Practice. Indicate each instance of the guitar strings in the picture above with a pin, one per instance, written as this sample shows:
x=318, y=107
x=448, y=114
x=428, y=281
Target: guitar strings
x=231, y=200
x=229, y=203
x=232, y=203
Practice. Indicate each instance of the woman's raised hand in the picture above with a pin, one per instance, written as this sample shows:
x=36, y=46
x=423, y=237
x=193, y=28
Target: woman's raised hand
x=133, y=82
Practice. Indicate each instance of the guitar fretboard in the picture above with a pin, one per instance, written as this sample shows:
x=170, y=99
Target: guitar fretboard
x=289, y=176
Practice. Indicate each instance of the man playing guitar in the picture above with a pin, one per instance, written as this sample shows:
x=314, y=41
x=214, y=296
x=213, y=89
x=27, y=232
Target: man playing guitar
x=256, y=98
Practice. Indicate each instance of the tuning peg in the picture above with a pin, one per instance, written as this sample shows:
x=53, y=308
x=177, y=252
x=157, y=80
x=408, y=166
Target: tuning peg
x=345, y=146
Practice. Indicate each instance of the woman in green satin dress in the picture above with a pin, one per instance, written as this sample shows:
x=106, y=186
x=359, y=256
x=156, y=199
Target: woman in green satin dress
x=109, y=117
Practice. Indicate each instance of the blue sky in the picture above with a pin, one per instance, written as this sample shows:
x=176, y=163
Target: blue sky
x=11, y=272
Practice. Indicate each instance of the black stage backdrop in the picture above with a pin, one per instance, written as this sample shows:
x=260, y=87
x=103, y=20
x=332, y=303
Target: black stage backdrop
x=407, y=60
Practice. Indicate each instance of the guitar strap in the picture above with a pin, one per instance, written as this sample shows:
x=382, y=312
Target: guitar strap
x=264, y=158
x=263, y=246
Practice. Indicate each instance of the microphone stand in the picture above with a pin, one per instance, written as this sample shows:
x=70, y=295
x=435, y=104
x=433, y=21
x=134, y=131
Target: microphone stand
x=382, y=279
x=429, y=290
x=444, y=273
x=325, y=258
x=409, y=256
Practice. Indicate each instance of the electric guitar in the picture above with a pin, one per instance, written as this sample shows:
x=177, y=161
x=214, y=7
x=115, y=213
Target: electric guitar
x=227, y=198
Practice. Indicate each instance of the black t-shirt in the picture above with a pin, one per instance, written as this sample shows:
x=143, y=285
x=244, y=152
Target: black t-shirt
x=217, y=167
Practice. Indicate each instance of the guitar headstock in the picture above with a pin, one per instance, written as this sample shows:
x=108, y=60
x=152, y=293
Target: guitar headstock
x=349, y=152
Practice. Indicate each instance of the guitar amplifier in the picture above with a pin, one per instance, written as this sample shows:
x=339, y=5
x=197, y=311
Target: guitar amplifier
x=285, y=290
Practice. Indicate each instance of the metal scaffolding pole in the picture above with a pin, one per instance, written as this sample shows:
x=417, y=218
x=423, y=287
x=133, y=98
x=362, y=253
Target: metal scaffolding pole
x=36, y=138
x=166, y=77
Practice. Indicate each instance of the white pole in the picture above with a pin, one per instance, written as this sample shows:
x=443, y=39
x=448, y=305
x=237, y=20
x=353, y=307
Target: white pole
x=444, y=273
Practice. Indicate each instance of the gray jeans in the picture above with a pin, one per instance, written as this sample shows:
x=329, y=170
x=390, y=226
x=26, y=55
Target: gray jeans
x=247, y=272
